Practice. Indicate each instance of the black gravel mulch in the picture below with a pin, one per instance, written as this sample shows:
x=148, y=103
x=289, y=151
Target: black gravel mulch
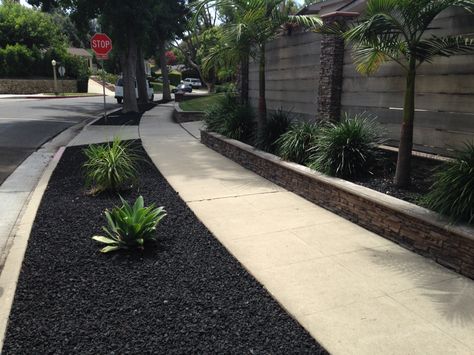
x=422, y=177
x=186, y=295
x=119, y=118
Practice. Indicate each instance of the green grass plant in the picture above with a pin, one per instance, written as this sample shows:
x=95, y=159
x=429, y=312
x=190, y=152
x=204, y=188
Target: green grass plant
x=347, y=149
x=452, y=193
x=229, y=118
x=130, y=227
x=110, y=166
x=278, y=123
x=294, y=145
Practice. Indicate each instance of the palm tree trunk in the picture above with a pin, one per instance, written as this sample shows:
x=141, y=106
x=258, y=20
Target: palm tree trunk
x=402, y=174
x=164, y=72
x=262, y=103
x=244, y=80
x=141, y=78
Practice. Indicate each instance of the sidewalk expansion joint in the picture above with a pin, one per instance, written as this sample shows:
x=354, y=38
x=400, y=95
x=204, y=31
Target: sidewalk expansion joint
x=233, y=196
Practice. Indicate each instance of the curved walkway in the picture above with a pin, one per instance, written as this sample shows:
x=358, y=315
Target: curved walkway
x=354, y=291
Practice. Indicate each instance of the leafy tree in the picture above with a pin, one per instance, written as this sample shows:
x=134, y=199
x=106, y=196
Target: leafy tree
x=28, y=27
x=395, y=30
x=199, y=37
x=169, y=20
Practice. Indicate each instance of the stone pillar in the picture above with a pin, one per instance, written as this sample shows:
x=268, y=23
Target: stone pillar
x=331, y=68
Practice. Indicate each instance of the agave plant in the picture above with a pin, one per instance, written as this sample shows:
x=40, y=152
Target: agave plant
x=109, y=166
x=452, y=194
x=129, y=226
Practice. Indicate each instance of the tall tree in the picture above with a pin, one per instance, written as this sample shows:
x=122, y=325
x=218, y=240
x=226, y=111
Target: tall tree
x=395, y=30
x=169, y=21
x=199, y=37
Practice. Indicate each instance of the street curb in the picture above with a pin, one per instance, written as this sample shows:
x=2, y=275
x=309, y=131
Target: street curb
x=14, y=260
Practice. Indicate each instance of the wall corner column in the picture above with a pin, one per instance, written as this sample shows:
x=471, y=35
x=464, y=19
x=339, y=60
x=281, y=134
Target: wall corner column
x=331, y=68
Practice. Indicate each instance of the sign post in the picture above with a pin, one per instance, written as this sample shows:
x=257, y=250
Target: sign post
x=62, y=72
x=101, y=44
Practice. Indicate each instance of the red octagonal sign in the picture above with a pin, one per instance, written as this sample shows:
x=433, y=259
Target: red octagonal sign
x=101, y=44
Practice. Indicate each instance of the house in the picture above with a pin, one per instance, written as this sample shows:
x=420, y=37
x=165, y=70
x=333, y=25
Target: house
x=83, y=53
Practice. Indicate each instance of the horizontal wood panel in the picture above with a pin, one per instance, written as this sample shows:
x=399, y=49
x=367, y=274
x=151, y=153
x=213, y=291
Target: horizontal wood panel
x=310, y=73
x=435, y=84
x=296, y=39
x=288, y=96
x=288, y=85
x=434, y=120
x=303, y=108
x=295, y=62
x=430, y=102
x=433, y=140
x=313, y=48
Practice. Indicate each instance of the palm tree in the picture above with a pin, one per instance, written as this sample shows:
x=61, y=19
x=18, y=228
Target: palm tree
x=395, y=30
x=253, y=24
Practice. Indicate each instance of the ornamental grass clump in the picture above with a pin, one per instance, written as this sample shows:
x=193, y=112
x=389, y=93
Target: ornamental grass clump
x=276, y=125
x=347, y=149
x=110, y=166
x=294, y=145
x=229, y=118
x=130, y=227
x=452, y=193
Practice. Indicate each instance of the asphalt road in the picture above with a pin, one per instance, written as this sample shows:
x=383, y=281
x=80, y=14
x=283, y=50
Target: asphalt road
x=26, y=124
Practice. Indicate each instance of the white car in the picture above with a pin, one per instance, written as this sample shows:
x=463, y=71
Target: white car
x=193, y=82
x=119, y=90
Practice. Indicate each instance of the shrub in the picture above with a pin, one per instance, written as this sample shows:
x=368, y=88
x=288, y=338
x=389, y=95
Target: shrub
x=229, y=118
x=110, y=166
x=348, y=148
x=17, y=60
x=130, y=227
x=226, y=88
x=277, y=124
x=452, y=193
x=294, y=145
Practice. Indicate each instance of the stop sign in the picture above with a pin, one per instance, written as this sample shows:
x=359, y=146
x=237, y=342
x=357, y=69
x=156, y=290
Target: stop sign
x=101, y=44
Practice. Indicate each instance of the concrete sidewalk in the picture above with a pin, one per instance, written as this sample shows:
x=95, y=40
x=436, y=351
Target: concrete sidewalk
x=354, y=291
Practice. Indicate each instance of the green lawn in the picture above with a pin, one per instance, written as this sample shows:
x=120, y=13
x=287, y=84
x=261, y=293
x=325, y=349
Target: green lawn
x=158, y=87
x=199, y=104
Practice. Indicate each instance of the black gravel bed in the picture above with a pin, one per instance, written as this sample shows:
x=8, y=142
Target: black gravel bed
x=119, y=118
x=184, y=295
x=422, y=177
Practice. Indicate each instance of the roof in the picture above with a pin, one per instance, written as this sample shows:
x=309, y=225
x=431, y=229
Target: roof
x=80, y=52
x=328, y=6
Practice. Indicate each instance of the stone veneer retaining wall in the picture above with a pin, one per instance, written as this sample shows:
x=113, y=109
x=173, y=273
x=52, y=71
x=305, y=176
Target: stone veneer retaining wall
x=181, y=116
x=35, y=86
x=411, y=226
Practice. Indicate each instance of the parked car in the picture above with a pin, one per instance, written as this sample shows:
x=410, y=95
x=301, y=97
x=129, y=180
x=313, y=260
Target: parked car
x=194, y=82
x=119, y=90
x=182, y=87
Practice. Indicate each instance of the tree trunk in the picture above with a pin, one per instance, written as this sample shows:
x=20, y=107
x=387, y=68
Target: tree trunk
x=141, y=78
x=262, y=103
x=402, y=174
x=244, y=80
x=128, y=59
x=164, y=72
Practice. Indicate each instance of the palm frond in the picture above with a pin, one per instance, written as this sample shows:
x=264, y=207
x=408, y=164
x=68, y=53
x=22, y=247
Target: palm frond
x=434, y=46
